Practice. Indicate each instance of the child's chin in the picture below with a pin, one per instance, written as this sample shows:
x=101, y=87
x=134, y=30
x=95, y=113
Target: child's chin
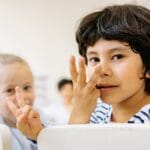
x=107, y=101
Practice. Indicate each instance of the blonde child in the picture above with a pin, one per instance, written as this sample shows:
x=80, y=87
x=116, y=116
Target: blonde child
x=16, y=77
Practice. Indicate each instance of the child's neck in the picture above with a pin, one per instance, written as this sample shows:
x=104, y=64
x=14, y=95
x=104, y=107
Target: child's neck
x=68, y=105
x=122, y=112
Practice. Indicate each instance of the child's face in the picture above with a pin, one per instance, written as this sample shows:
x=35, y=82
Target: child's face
x=121, y=70
x=67, y=91
x=13, y=75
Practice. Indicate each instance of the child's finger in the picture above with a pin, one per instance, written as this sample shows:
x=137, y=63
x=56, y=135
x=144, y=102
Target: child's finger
x=22, y=120
x=93, y=81
x=81, y=79
x=93, y=102
x=13, y=108
x=73, y=69
x=19, y=97
x=34, y=114
x=96, y=94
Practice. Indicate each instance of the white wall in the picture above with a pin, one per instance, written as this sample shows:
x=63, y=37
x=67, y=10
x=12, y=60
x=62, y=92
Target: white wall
x=42, y=31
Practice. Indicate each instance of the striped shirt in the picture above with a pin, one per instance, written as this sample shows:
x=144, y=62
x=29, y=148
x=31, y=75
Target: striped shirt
x=103, y=111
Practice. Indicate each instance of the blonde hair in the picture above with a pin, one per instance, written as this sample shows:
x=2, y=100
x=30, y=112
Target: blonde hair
x=6, y=58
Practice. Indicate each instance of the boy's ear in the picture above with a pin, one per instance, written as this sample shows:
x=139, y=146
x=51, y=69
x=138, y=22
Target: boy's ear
x=147, y=74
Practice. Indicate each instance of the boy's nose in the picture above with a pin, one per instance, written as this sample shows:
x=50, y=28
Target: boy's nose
x=105, y=69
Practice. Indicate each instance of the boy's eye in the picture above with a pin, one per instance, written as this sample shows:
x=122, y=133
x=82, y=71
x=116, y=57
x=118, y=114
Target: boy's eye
x=117, y=57
x=93, y=60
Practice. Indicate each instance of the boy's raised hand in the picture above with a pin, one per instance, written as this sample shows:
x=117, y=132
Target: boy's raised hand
x=85, y=93
x=28, y=121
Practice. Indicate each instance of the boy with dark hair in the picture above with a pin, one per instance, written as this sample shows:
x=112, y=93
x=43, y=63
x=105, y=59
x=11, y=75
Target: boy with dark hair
x=115, y=44
x=65, y=88
x=64, y=82
x=59, y=113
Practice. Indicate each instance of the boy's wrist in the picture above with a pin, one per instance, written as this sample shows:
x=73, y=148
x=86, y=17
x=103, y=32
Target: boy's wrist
x=79, y=117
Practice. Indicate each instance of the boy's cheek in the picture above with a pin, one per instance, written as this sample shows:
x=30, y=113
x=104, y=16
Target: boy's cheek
x=89, y=72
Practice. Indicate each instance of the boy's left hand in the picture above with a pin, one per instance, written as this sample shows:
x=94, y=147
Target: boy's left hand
x=85, y=93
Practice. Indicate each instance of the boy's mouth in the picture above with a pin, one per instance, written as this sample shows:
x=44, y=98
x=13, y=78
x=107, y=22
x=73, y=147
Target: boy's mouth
x=105, y=87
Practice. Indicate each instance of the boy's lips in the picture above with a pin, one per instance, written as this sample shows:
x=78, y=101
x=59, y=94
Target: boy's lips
x=105, y=87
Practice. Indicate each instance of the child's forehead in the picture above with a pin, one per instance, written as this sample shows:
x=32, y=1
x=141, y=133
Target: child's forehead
x=14, y=66
x=13, y=81
x=15, y=70
x=108, y=45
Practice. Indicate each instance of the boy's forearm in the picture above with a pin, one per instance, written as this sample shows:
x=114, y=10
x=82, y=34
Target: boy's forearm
x=78, y=117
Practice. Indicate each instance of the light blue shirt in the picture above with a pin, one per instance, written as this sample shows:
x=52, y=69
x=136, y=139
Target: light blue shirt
x=19, y=141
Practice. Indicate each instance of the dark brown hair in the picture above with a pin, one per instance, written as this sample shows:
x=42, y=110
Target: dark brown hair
x=125, y=23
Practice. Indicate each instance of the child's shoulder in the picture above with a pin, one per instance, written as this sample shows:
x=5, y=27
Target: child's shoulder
x=1, y=120
x=102, y=114
x=143, y=116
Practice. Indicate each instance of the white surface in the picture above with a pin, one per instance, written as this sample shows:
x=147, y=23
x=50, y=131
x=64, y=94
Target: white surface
x=95, y=137
x=5, y=138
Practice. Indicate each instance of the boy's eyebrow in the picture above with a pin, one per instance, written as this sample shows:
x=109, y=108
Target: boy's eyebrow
x=111, y=50
x=91, y=53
